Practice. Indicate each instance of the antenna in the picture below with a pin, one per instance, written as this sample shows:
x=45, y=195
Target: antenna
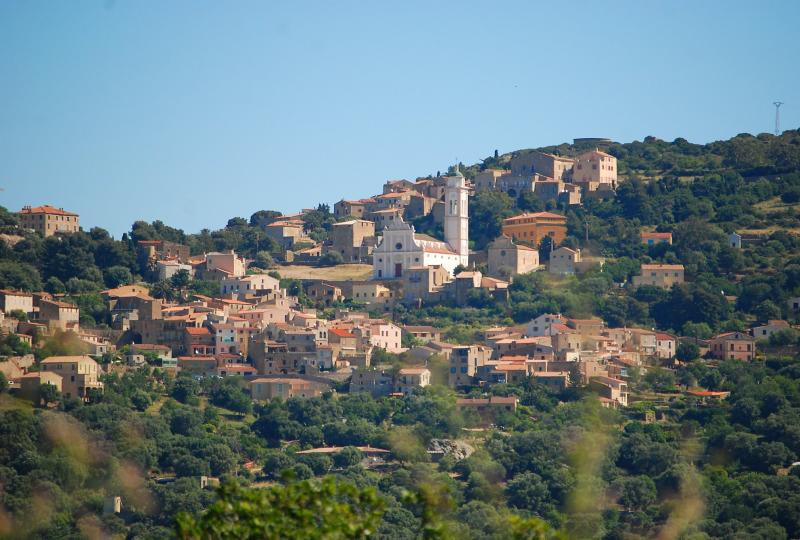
x=777, y=116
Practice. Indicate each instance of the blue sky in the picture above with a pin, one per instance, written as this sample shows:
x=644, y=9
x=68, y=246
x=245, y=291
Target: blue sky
x=195, y=112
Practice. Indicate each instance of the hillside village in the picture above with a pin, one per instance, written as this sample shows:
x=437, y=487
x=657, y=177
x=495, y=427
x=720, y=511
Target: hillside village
x=548, y=272
x=284, y=347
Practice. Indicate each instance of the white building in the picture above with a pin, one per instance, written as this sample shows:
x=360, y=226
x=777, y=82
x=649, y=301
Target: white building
x=543, y=325
x=402, y=248
x=252, y=284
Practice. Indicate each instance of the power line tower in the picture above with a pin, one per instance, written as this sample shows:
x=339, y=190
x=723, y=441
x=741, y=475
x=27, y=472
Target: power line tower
x=777, y=116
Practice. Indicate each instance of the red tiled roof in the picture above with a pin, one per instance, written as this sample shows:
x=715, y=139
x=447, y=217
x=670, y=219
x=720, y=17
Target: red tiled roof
x=665, y=235
x=548, y=215
x=341, y=332
x=198, y=331
x=46, y=209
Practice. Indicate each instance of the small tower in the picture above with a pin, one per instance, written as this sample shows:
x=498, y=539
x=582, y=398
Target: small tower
x=456, y=219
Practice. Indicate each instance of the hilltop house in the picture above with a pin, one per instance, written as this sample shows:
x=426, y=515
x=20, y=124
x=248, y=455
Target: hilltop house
x=48, y=220
x=733, y=346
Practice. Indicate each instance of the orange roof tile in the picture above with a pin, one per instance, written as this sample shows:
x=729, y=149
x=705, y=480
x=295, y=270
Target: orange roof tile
x=46, y=209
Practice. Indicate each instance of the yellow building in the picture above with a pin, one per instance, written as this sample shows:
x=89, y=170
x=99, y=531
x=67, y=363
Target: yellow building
x=659, y=275
x=48, y=220
x=534, y=227
x=78, y=374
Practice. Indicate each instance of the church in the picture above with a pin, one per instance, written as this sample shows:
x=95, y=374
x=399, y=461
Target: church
x=402, y=248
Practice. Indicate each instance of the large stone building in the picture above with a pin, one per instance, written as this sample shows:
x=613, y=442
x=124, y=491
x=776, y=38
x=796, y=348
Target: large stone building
x=552, y=166
x=48, y=220
x=509, y=259
x=595, y=170
x=534, y=227
x=353, y=239
x=402, y=248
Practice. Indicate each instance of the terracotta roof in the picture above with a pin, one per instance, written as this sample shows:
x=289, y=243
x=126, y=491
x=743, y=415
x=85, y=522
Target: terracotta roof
x=46, y=209
x=65, y=359
x=656, y=234
x=414, y=371
x=341, y=332
x=62, y=304
x=15, y=293
x=535, y=215
x=198, y=331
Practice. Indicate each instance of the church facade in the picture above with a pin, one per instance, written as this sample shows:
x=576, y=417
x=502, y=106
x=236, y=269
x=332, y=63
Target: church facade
x=402, y=248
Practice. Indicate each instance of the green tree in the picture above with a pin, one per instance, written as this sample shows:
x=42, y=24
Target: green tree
x=116, y=276
x=637, y=493
x=331, y=258
x=307, y=509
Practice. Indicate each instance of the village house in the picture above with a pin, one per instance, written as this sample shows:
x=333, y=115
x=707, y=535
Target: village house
x=654, y=238
x=224, y=265
x=564, y=261
x=666, y=345
x=371, y=293
x=533, y=227
x=167, y=269
x=764, y=331
x=543, y=325
x=464, y=363
x=356, y=209
x=254, y=284
x=549, y=165
x=487, y=180
x=595, y=170
x=16, y=301
x=509, y=259
x=199, y=365
x=267, y=388
x=354, y=239
x=163, y=257
x=30, y=384
x=423, y=284
x=423, y=334
x=324, y=293
x=378, y=382
x=286, y=233
x=59, y=315
x=659, y=275
x=733, y=346
x=78, y=374
x=410, y=379
x=199, y=341
x=613, y=390
x=557, y=381
x=48, y=220
x=231, y=339
x=386, y=217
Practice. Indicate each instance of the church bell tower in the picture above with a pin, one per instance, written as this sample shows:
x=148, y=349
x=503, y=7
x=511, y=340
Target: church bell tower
x=456, y=218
